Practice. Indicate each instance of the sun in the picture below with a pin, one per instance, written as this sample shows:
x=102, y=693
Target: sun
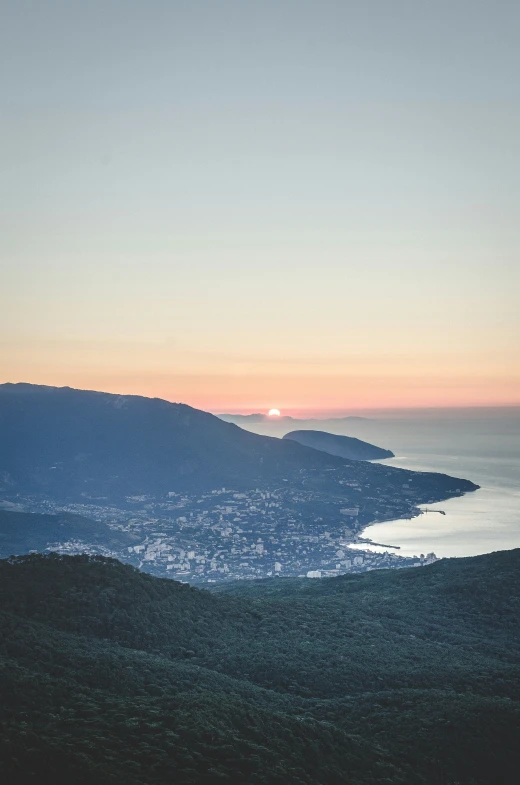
x=274, y=412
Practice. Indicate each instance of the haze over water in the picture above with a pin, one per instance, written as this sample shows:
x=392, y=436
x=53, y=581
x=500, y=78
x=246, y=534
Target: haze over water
x=481, y=445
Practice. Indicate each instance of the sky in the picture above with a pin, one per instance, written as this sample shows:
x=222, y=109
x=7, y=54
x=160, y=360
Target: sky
x=312, y=205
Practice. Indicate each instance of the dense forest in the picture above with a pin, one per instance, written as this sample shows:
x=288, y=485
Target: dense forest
x=109, y=675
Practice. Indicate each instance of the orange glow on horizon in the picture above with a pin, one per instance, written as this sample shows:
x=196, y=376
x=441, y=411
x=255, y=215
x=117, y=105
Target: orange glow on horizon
x=298, y=395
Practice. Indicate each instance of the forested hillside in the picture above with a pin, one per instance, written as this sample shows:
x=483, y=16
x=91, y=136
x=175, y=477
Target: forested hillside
x=109, y=675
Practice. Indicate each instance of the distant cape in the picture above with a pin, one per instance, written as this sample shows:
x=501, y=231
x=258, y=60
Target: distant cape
x=244, y=419
x=343, y=446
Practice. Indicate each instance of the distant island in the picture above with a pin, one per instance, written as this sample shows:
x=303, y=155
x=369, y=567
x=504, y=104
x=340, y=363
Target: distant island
x=257, y=417
x=343, y=446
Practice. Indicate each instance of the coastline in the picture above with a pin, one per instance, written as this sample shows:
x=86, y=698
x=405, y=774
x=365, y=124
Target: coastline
x=473, y=524
x=363, y=542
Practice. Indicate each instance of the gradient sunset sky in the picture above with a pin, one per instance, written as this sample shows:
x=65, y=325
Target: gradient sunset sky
x=240, y=204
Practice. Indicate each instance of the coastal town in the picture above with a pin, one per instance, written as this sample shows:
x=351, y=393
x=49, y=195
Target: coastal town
x=227, y=535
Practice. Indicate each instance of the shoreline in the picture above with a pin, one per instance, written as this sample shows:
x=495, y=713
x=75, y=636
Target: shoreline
x=360, y=541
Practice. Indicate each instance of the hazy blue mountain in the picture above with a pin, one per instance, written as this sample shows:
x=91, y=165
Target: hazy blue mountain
x=238, y=419
x=66, y=441
x=406, y=677
x=244, y=419
x=343, y=446
x=63, y=442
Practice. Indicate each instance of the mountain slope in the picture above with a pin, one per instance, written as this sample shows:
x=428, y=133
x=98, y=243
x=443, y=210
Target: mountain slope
x=343, y=446
x=110, y=675
x=73, y=441
x=70, y=443
x=24, y=532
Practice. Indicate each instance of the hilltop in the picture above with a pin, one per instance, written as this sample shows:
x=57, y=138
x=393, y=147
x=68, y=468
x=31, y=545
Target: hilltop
x=112, y=676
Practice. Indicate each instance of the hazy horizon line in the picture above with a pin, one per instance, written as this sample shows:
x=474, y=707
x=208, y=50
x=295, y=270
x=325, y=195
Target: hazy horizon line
x=355, y=412
x=298, y=412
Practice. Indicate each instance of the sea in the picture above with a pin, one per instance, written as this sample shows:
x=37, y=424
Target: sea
x=481, y=445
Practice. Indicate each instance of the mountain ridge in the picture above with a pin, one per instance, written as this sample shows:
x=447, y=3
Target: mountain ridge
x=43, y=426
x=76, y=442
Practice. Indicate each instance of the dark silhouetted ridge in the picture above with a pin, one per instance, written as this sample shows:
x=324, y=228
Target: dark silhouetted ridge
x=64, y=441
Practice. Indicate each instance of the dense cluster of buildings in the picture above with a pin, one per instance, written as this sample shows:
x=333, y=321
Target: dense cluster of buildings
x=228, y=535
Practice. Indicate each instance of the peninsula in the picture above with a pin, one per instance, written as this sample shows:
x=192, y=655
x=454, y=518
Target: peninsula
x=342, y=446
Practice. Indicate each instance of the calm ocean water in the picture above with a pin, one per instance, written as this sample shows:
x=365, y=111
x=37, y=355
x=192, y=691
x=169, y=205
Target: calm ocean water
x=479, y=445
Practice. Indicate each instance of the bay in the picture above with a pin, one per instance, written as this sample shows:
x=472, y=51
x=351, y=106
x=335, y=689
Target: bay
x=481, y=445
